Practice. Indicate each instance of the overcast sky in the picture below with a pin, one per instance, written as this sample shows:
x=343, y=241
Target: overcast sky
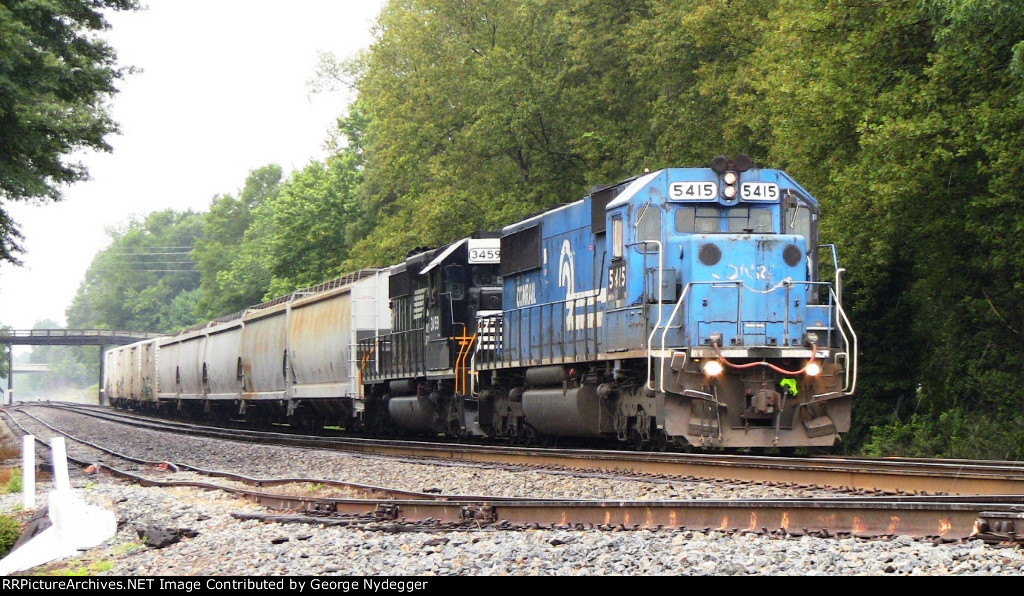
x=222, y=91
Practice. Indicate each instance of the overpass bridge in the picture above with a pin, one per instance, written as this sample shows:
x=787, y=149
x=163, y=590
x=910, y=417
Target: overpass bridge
x=66, y=337
x=26, y=367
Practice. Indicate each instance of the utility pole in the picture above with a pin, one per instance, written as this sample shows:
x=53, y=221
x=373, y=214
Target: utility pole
x=10, y=375
x=99, y=387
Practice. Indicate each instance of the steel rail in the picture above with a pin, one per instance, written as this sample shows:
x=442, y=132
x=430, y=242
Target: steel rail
x=940, y=519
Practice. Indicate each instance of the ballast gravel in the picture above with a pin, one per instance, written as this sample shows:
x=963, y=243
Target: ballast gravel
x=218, y=544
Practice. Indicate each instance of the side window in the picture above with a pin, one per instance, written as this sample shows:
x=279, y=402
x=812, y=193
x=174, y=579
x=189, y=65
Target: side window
x=648, y=227
x=801, y=224
x=617, y=238
x=686, y=220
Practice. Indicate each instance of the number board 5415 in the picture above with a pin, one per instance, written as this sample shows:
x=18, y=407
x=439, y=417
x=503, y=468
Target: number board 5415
x=692, y=191
x=759, y=191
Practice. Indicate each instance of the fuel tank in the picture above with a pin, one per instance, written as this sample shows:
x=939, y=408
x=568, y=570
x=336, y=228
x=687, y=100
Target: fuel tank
x=416, y=414
x=576, y=412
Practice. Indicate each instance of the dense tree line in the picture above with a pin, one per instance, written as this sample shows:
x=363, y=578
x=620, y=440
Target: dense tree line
x=903, y=117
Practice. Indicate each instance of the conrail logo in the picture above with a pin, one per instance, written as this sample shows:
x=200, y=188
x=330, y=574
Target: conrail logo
x=581, y=310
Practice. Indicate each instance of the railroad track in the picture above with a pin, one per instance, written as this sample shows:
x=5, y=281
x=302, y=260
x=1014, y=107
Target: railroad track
x=941, y=518
x=891, y=476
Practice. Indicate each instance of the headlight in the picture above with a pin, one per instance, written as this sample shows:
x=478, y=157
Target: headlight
x=812, y=369
x=712, y=368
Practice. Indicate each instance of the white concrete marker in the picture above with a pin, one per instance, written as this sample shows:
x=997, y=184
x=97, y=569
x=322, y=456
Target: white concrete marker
x=28, y=472
x=76, y=525
x=61, y=481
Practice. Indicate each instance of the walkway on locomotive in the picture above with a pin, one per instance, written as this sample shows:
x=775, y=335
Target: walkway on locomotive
x=662, y=263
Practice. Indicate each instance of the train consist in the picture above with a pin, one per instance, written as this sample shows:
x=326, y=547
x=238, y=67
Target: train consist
x=685, y=307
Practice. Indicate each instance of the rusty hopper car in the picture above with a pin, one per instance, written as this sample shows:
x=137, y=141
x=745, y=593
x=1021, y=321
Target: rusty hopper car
x=130, y=373
x=289, y=360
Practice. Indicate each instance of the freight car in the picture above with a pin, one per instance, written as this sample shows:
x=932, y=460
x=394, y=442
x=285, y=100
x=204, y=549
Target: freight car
x=684, y=307
x=289, y=361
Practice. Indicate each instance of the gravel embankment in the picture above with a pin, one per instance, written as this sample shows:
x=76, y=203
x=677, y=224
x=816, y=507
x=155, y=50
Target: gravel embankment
x=223, y=545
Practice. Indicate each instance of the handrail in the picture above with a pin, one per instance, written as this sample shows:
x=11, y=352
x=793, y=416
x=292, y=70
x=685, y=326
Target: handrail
x=841, y=324
x=76, y=333
x=851, y=369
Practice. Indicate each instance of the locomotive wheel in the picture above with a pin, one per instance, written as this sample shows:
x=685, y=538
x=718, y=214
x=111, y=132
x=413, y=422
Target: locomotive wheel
x=637, y=440
x=640, y=433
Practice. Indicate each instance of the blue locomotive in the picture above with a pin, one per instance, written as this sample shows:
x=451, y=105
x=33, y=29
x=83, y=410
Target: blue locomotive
x=685, y=306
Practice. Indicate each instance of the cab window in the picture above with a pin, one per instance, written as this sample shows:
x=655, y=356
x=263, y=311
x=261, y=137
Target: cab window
x=696, y=220
x=617, y=239
x=750, y=220
x=648, y=227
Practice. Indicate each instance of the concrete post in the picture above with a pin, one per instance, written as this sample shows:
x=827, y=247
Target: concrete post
x=99, y=388
x=61, y=478
x=10, y=374
x=28, y=471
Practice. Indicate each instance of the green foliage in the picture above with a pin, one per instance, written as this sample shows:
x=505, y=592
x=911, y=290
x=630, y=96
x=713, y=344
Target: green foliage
x=54, y=78
x=955, y=434
x=225, y=285
x=146, y=280
x=9, y=533
x=5, y=356
x=306, y=224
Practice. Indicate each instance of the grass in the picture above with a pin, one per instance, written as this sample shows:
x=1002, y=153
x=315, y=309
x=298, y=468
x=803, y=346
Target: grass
x=10, y=530
x=75, y=568
x=127, y=547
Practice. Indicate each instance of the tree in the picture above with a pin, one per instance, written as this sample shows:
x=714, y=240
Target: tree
x=146, y=280
x=54, y=77
x=220, y=247
x=301, y=235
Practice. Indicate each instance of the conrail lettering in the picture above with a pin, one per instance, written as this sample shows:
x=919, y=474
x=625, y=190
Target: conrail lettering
x=526, y=294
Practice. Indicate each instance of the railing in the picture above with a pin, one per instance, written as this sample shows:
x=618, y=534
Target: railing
x=55, y=336
x=839, y=323
x=577, y=334
x=398, y=353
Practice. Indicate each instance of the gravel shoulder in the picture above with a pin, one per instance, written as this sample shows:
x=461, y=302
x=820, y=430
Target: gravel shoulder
x=213, y=543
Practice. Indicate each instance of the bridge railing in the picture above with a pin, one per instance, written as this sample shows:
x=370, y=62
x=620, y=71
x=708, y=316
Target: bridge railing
x=72, y=336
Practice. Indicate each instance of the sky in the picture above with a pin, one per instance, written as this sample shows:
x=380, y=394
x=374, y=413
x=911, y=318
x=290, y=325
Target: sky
x=222, y=90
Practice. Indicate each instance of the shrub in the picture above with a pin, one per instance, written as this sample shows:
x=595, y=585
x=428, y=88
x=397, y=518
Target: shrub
x=14, y=485
x=9, y=532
